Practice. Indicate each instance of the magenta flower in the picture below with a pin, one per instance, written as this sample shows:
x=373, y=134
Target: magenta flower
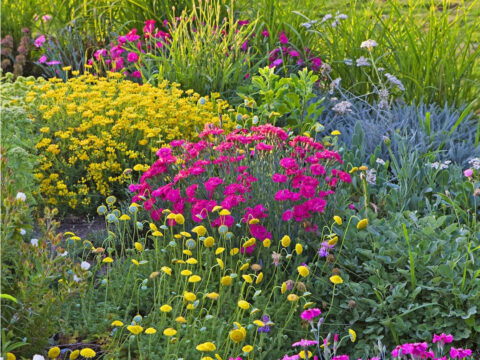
x=316, y=63
x=42, y=59
x=244, y=46
x=53, y=62
x=442, y=338
x=132, y=57
x=243, y=22
x=283, y=38
x=149, y=27
x=309, y=314
x=279, y=178
x=137, y=74
x=460, y=353
x=276, y=63
x=265, y=33
x=294, y=53
x=40, y=41
x=305, y=343
x=100, y=53
x=212, y=183
x=340, y=357
x=468, y=173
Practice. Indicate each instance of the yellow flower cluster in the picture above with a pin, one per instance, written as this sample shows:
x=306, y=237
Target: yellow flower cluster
x=93, y=129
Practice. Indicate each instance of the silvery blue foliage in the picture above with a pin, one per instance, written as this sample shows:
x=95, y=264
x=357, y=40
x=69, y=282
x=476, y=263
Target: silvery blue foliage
x=424, y=128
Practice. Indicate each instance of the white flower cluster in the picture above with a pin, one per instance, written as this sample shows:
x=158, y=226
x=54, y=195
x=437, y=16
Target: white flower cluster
x=371, y=176
x=394, y=80
x=439, y=166
x=362, y=61
x=369, y=44
x=342, y=107
x=475, y=163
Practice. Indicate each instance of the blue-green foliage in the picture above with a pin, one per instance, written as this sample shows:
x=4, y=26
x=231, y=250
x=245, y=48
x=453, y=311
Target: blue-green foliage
x=451, y=134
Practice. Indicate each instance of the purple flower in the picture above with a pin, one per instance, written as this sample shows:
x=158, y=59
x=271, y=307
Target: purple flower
x=283, y=38
x=316, y=63
x=276, y=63
x=460, y=353
x=310, y=314
x=294, y=53
x=305, y=343
x=340, y=357
x=40, y=41
x=468, y=173
x=132, y=57
x=42, y=59
x=265, y=33
x=442, y=338
x=244, y=46
x=53, y=62
x=46, y=18
x=137, y=74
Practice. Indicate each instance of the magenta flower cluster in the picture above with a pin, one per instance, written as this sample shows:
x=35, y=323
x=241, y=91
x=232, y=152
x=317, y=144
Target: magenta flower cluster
x=232, y=171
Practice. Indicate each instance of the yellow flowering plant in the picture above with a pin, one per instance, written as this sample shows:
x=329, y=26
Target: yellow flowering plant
x=94, y=130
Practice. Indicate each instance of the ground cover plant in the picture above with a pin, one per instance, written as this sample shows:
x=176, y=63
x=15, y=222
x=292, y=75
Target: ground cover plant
x=229, y=180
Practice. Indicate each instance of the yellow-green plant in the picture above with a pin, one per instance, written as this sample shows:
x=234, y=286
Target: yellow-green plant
x=95, y=128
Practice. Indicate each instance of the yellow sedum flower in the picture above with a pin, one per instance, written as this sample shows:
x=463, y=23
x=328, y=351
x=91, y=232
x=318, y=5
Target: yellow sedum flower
x=135, y=329
x=194, y=279
x=180, y=319
x=213, y=295
x=362, y=224
x=189, y=296
x=199, y=230
x=166, y=270
x=191, y=261
x=169, y=332
x=206, y=347
x=186, y=272
x=335, y=279
x=74, y=355
x=165, y=308
x=303, y=271
x=150, y=331
x=285, y=241
x=54, y=352
x=352, y=334
x=209, y=241
x=88, y=353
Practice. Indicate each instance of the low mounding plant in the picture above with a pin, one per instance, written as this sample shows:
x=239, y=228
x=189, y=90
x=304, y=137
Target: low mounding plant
x=233, y=171
x=94, y=128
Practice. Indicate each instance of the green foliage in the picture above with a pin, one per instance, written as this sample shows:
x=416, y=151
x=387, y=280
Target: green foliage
x=282, y=101
x=435, y=57
x=441, y=295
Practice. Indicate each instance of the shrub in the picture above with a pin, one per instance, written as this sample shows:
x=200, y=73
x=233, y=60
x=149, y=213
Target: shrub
x=95, y=128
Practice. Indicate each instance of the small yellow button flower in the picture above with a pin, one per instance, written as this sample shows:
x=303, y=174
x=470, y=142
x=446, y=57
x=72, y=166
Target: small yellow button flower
x=267, y=242
x=88, y=353
x=242, y=304
x=292, y=297
x=303, y=271
x=150, y=331
x=189, y=296
x=247, y=348
x=336, y=279
x=209, y=241
x=138, y=246
x=206, y=347
x=117, y=323
x=286, y=241
x=166, y=270
x=169, y=332
x=226, y=280
x=135, y=329
x=165, y=308
x=194, y=279
x=107, y=260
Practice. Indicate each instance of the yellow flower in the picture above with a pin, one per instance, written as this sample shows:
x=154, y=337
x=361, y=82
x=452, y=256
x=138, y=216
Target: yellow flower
x=219, y=251
x=216, y=208
x=303, y=271
x=117, y=323
x=157, y=233
x=209, y=241
x=218, y=357
x=166, y=270
x=247, y=348
x=292, y=297
x=191, y=261
x=338, y=220
x=213, y=295
x=226, y=280
x=194, y=279
x=107, y=260
x=253, y=221
x=66, y=68
x=74, y=355
x=138, y=246
x=267, y=242
x=284, y=287
x=363, y=168
x=259, y=278
x=362, y=224
x=150, y=331
x=352, y=334
x=135, y=329
x=238, y=335
x=54, y=352
x=224, y=212
x=169, y=332
x=333, y=241
x=250, y=242
x=353, y=170
x=88, y=353
x=336, y=133
x=302, y=354
x=11, y=356
x=298, y=248
x=180, y=319
x=220, y=263
x=185, y=234
x=186, y=272
x=244, y=266
x=307, y=305
x=179, y=219
x=285, y=241
x=206, y=347
x=247, y=278
x=187, y=252
x=242, y=304
x=189, y=296
x=336, y=279
x=124, y=217
x=234, y=251
x=259, y=323
x=165, y=308
x=199, y=230
x=153, y=227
